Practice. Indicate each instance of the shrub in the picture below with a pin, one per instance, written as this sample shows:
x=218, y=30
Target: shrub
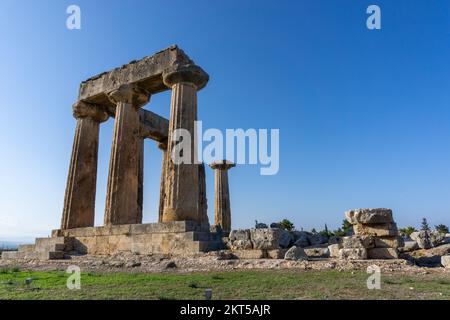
x=407, y=231
x=441, y=228
x=286, y=225
x=424, y=225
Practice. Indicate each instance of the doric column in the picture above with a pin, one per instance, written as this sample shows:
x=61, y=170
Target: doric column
x=203, y=202
x=79, y=200
x=222, y=211
x=181, y=180
x=122, y=199
x=162, y=192
x=140, y=198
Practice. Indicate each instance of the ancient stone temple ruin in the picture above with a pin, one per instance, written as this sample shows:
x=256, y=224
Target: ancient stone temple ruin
x=120, y=95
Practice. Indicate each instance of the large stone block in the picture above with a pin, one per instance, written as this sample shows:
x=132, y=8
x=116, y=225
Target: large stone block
x=301, y=238
x=333, y=249
x=376, y=230
x=382, y=253
x=445, y=261
x=369, y=216
x=241, y=234
x=316, y=239
x=427, y=239
x=296, y=254
x=389, y=242
x=276, y=254
x=358, y=242
x=409, y=246
x=267, y=239
x=250, y=254
x=241, y=245
x=353, y=254
x=318, y=251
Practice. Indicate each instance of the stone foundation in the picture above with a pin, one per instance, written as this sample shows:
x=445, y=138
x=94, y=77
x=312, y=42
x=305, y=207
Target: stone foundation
x=180, y=238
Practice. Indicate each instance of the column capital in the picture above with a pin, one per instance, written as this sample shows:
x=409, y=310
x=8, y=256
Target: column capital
x=130, y=93
x=222, y=165
x=185, y=73
x=83, y=109
x=162, y=145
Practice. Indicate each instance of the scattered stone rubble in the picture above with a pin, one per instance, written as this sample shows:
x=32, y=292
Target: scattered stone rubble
x=427, y=239
x=376, y=235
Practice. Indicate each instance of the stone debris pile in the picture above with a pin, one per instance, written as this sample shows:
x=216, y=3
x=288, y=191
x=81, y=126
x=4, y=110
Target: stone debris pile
x=375, y=236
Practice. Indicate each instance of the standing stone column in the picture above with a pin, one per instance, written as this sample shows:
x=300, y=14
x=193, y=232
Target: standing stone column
x=79, y=200
x=122, y=199
x=181, y=180
x=162, y=189
x=203, y=202
x=222, y=211
x=140, y=197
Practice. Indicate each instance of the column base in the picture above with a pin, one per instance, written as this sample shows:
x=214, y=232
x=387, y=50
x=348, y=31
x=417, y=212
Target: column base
x=180, y=214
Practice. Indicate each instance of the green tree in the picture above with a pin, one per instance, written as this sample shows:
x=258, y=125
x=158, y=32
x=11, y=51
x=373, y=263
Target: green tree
x=424, y=225
x=441, y=228
x=286, y=225
x=339, y=233
x=346, y=226
x=325, y=232
x=408, y=230
x=344, y=230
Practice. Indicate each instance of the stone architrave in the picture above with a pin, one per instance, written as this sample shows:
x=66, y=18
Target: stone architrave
x=122, y=200
x=79, y=201
x=181, y=179
x=222, y=210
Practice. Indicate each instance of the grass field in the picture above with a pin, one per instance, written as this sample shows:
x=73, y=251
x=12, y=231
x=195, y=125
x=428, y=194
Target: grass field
x=280, y=284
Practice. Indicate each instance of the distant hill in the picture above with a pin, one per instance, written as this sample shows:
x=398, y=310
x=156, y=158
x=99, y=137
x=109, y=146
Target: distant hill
x=10, y=245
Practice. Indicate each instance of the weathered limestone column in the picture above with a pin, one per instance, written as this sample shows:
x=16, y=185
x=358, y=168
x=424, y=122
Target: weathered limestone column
x=162, y=189
x=203, y=202
x=222, y=211
x=140, y=197
x=79, y=201
x=122, y=199
x=181, y=180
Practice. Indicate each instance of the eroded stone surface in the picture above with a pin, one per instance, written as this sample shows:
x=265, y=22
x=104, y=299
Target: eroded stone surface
x=333, y=249
x=382, y=253
x=376, y=230
x=445, y=261
x=369, y=216
x=269, y=238
x=296, y=254
x=358, y=242
x=353, y=254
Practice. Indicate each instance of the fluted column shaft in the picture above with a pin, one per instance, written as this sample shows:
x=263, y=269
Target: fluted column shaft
x=181, y=180
x=222, y=210
x=162, y=188
x=79, y=200
x=125, y=168
x=203, y=202
x=140, y=196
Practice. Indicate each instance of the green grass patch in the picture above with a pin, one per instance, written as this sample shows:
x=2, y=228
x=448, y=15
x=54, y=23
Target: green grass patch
x=279, y=284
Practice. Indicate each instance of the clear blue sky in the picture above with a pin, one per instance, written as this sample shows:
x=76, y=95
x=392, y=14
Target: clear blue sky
x=364, y=116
